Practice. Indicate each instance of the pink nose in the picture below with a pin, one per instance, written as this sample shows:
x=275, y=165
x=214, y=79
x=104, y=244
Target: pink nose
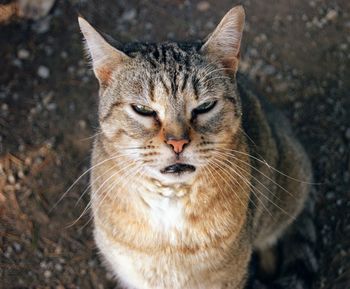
x=178, y=145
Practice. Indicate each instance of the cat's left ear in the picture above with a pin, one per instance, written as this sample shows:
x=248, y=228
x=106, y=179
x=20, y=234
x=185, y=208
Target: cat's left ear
x=224, y=43
x=105, y=58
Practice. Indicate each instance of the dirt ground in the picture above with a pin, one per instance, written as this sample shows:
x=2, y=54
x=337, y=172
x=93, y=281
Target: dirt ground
x=298, y=53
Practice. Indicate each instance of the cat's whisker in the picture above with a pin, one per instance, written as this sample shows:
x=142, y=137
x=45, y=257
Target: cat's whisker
x=225, y=181
x=212, y=167
x=88, y=206
x=92, y=137
x=131, y=175
x=250, y=185
x=231, y=179
x=123, y=178
x=124, y=169
x=244, y=179
x=269, y=166
x=264, y=195
x=247, y=182
x=81, y=176
x=90, y=185
x=259, y=171
x=92, y=182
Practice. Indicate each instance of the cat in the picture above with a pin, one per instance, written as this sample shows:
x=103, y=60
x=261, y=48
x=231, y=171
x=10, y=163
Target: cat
x=192, y=170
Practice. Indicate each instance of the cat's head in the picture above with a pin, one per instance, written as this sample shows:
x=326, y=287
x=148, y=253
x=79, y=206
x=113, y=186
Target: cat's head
x=167, y=108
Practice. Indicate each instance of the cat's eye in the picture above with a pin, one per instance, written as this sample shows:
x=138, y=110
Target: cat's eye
x=143, y=110
x=204, y=107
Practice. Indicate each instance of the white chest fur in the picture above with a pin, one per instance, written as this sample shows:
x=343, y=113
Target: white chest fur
x=134, y=270
x=165, y=213
x=164, y=206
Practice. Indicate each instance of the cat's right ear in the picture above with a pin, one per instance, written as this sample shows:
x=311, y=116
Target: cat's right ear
x=105, y=58
x=224, y=43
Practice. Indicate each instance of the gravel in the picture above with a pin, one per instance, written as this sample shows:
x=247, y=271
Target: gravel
x=296, y=54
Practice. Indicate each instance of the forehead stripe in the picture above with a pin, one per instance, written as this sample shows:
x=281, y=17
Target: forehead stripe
x=151, y=88
x=184, y=82
x=164, y=84
x=195, y=87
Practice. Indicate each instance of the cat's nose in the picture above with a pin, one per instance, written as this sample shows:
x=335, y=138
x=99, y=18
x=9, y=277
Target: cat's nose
x=177, y=144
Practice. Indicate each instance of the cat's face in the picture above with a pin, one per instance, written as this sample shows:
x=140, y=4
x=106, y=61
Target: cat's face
x=167, y=108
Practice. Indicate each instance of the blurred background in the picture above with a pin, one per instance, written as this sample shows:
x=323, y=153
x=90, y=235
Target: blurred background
x=296, y=51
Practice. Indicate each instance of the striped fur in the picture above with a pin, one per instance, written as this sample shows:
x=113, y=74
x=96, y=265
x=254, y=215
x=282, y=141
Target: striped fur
x=197, y=229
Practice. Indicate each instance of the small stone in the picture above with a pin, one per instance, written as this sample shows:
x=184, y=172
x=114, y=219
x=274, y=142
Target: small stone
x=43, y=25
x=47, y=274
x=43, y=72
x=203, y=6
x=23, y=54
x=17, y=62
x=51, y=106
x=47, y=98
x=331, y=15
x=17, y=247
x=343, y=46
x=148, y=26
x=129, y=15
x=4, y=107
x=64, y=54
x=170, y=35
x=269, y=70
x=58, y=267
x=11, y=179
x=330, y=195
x=82, y=124
x=92, y=263
x=347, y=133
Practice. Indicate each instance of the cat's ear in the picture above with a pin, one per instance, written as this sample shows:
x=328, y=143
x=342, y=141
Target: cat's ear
x=105, y=58
x=224, y=43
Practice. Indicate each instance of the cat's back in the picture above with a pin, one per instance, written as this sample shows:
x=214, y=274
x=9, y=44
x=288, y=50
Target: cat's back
x=281, y=169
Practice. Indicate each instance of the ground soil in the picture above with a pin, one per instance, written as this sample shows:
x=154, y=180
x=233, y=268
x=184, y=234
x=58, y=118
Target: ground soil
x=297, y=52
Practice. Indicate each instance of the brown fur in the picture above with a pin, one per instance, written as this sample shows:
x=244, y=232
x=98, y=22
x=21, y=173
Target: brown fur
x=198, y=229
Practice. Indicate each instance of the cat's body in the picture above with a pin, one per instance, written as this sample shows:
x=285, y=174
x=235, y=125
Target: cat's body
x=182, y=193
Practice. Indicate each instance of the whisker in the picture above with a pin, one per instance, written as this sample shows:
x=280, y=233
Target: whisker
x=91, y=137
x=228, y=184
x=111, y=187
x=88, y=206
x=247, y=182
x=267, y=198
x=91, y=182
x=271, y=167
x=257, y=170
x=250, y=186
x=81, y=176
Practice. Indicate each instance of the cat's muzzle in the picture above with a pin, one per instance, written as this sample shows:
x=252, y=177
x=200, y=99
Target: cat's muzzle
x=178, y=169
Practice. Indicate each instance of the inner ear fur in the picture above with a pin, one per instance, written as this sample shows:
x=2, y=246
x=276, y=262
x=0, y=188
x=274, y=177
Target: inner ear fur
x=223, y=44
x=105, y=58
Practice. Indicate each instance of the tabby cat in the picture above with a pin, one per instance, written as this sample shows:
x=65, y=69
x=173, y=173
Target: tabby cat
x=191, y=170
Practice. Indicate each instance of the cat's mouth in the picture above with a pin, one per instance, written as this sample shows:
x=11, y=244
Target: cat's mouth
x=178, y=169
